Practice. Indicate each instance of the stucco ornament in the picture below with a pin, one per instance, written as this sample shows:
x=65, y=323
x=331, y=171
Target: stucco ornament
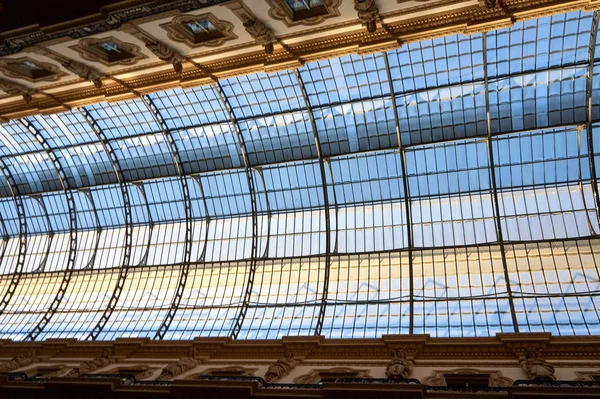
x=281, y=368
x=537, y=369
x=18, y=361
x=181, y=366
x=399, y=367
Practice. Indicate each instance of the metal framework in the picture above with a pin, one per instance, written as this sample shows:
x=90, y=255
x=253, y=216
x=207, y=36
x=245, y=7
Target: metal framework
x=125, y=263
x=66, y=280
x=444, y=188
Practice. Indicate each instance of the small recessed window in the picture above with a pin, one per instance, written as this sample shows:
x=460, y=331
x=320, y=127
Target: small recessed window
x=203, y=30
x=30, y=69
x=303, y=9
x=111, y=52
x=199, y=30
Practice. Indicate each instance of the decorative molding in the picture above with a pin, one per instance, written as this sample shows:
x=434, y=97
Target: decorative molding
x=95, y=364
x=10, y=67
x=315, y=375
x=238, y=371
x=111, y=17
x=181, y=366
x=280, y=11
x=368, y=13
x=21, y=360
x=139, y=371
x=86, y=49
x=176, y=30
x=158, y=48
x=437, y=377
x=262, y=34
x=588, y=375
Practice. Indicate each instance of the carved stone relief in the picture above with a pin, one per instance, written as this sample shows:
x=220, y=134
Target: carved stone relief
x=281, y=368
x=536, y=368
x=181, y=366
x=18, y=361
x=399, y=367
x=368, y=13
x=93, y=365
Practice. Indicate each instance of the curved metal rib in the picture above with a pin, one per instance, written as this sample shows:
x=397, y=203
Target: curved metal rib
x=42, y=266
x=494, y=188
x=407, y=201
x=589, y=90
x=187, y=247
x=33, y=334
x=198, y=181
x=87, y=195
x=239, y=320
x=323, y=306
x=16, y=276
x=124, y=269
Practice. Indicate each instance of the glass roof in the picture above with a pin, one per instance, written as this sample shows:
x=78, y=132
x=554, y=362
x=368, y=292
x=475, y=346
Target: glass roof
x=448, y=187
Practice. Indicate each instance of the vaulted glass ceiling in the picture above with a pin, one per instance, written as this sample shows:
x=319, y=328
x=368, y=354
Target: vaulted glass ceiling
x=448, y=187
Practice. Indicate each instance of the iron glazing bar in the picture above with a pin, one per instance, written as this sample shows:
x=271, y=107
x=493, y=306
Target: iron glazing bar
x=494, y=188
x=407, y=199
x=142, y=190
x=589, y=132
x=16, y=276
x=89, y=197
x=239, y=319
x=42, y=266
x=187, y=246
x=124, y=267
x=66, y=279
x=198, y=181
x=327, y=271
x=269, y=213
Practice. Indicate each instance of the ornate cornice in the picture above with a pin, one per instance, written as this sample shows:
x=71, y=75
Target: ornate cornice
x=421, y=349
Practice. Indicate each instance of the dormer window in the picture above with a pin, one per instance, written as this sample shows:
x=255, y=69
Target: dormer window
x=199, y=30
x=109, y=51
x=30, y=69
